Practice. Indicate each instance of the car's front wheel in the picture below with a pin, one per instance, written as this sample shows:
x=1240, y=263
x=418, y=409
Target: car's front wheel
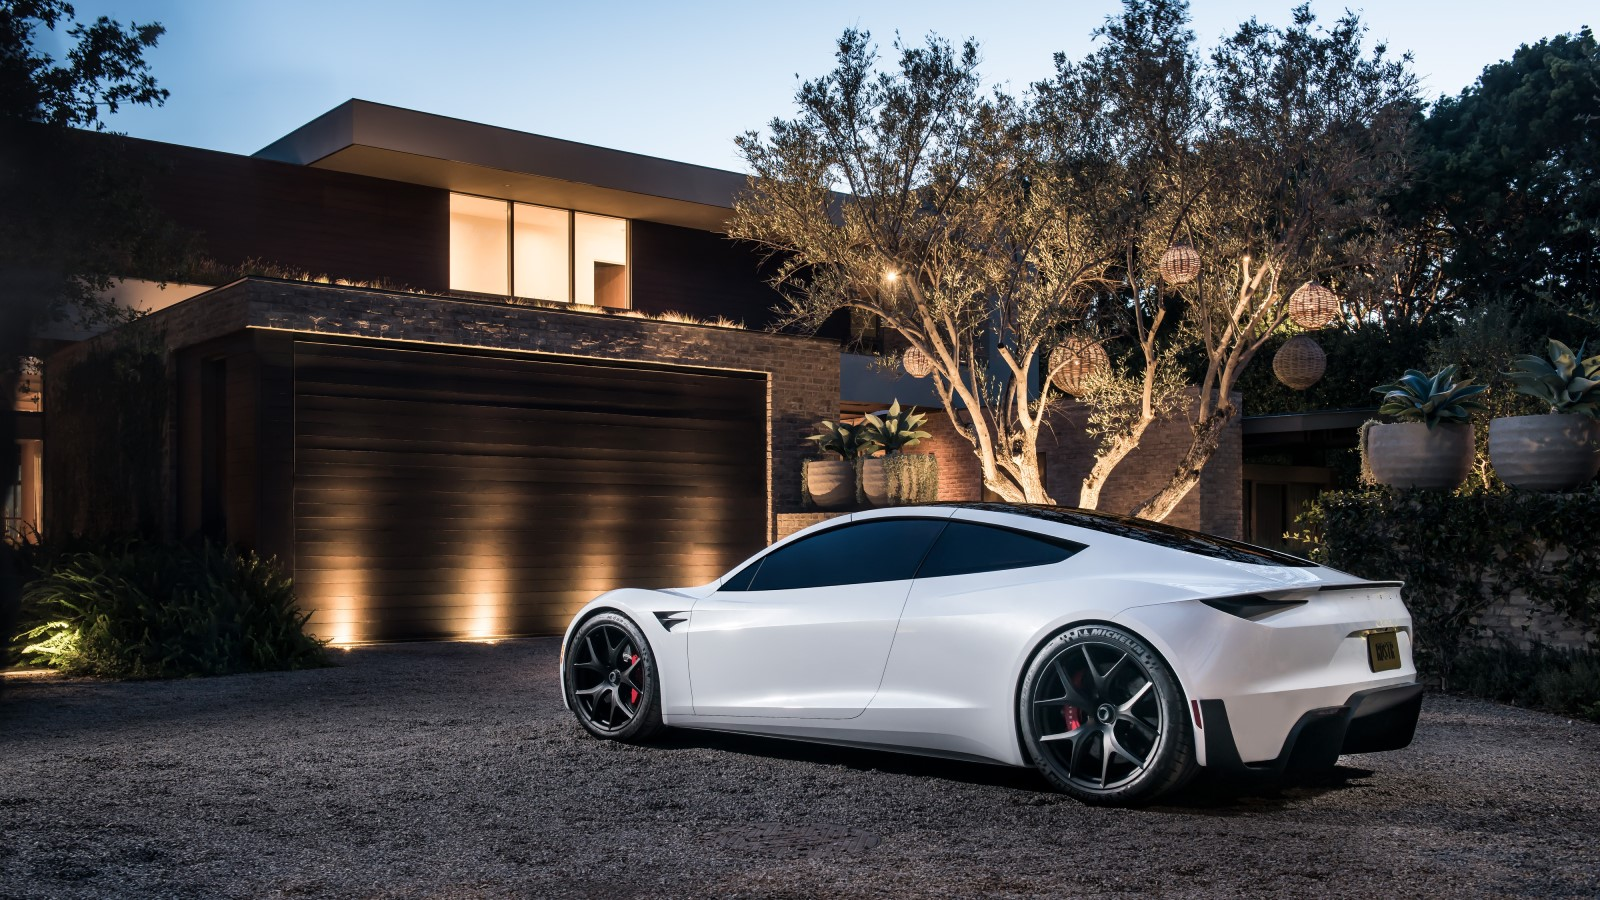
x=610, y=679
x=1103, y=717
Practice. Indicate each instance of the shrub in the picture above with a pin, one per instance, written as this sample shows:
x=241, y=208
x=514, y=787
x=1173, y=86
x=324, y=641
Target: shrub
x=146, y=610
x=1458, y=553
x=1563, y=681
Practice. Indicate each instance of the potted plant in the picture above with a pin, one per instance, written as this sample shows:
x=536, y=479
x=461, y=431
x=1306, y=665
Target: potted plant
x=831, y=482
x=890, y=431
x=1430, y=446
x=1557, y=450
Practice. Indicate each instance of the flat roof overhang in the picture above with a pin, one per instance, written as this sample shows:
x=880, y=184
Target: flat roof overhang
x=368, y=138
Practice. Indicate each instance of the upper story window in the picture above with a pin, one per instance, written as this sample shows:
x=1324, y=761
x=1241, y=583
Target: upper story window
x=537, y=252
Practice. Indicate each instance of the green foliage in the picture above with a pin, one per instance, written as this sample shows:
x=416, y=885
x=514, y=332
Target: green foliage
x=1352, y=356
x=912, y=477
x=841, y=438
x=1436, y=399
x=104, y=67
x=894, y=430
x=1563, y=681
x=1506, y=176
x=147, y=610
x=1458, y=553
x=1568, y=383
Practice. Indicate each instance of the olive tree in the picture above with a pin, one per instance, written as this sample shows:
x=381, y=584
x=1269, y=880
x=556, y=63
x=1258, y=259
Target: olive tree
x=984, y=228
x=1282, y=180
x=913, y=195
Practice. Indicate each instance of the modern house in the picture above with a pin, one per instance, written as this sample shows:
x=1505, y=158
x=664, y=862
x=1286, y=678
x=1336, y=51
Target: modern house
x=493, y=374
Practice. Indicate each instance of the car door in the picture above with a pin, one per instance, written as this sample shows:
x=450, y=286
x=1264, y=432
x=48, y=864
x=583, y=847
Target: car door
x=806, y=633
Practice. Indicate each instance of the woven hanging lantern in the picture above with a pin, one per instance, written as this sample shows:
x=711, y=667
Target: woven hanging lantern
x=917, y=363
x=1313, y=306
x=1179, y=265
x=1074, y=360
x=1300, y=362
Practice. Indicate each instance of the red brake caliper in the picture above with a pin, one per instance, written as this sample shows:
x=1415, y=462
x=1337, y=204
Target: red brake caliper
x=633, y=691
x=1072, y=714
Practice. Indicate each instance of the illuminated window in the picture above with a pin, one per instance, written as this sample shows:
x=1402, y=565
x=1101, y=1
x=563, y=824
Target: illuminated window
x=19, y=518
x=600, y=250
x=538, y=253
x=478, y=246
x=542, y=262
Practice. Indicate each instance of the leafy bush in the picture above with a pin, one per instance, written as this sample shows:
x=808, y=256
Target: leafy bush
x=145, y=610
x=1459, y=553
x=1563, y=681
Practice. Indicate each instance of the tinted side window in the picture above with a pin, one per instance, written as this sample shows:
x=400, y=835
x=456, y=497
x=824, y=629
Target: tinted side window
x=740, y=581
x=965, y=547
x=878, y=550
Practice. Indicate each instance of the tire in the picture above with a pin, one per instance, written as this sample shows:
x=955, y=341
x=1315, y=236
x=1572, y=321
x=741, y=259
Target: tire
x=611, y=681
x=1103, y=718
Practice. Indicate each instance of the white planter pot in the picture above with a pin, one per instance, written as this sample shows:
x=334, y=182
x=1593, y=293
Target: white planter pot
x=1552, y=452
x=874, y=485
x=1411, y=455
x=831, y=483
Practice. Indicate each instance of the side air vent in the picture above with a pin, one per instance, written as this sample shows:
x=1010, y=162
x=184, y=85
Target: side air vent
x=1251, y=606
x=671, y=620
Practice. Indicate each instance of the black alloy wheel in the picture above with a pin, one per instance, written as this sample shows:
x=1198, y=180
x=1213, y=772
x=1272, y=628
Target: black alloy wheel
x=611, y=681
x=1104, y=719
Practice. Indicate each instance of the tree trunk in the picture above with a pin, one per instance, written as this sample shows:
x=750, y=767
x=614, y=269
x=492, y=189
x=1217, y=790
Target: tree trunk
x=1107, y=461
x=1207, y=436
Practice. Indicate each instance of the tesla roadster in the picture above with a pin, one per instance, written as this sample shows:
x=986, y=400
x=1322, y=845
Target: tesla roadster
x=1115, y=655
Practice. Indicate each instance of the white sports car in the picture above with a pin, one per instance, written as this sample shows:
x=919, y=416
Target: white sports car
x=1118, y=656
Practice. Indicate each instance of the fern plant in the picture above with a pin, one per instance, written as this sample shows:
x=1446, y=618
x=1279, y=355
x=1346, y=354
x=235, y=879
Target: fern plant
x=1431, y=400
x=1566, y=381
x=131, y=610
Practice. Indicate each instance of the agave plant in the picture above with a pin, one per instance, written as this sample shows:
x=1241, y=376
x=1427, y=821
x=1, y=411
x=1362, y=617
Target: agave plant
x=1418, y=397
x=841, y=438
x=894, y=430
x=1568, y=382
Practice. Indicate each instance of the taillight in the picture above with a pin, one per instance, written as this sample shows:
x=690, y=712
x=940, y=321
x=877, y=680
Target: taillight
x=1251, y=606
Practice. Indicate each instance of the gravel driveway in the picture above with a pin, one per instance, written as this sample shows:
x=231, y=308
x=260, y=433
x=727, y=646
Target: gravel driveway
x=453, y=770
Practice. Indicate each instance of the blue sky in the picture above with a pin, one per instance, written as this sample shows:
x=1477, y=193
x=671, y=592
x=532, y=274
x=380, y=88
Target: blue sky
x=676, y=80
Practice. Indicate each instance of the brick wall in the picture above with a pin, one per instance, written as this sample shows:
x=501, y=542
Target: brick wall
x=1215, y=505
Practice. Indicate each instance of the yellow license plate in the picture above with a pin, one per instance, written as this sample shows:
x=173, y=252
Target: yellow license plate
x=1383, y=651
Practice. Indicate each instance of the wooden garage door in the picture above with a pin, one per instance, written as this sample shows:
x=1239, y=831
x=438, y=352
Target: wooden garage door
x=464, y=495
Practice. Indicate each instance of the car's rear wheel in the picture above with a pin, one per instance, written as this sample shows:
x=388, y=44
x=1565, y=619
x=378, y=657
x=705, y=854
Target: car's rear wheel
x=1103, y=718
x=610, y=679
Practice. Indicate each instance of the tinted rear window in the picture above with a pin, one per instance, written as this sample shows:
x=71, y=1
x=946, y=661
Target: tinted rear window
x=966, y=547
x=1156, y=533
